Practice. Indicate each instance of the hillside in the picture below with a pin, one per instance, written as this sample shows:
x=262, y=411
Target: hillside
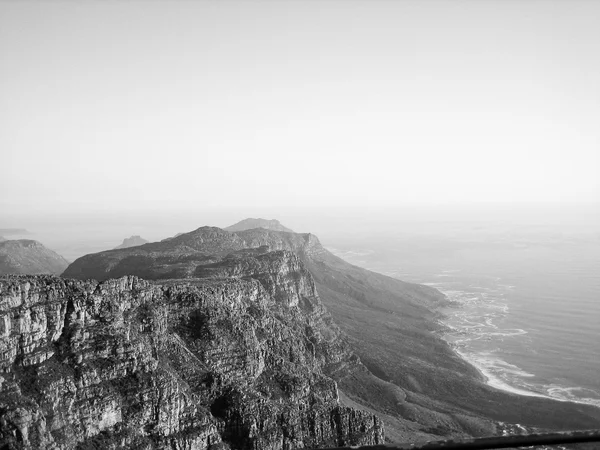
x=219, y=364
x=26, y=256
x=410, y=377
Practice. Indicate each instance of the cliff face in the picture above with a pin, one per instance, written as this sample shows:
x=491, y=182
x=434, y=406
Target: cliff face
x=25, y=256
x=215, y=363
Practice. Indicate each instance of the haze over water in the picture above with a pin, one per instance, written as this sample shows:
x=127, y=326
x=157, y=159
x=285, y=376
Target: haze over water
x=524, y=278
x=527, y=294
x=371, y=125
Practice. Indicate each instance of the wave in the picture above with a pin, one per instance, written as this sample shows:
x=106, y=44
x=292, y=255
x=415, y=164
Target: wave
x=475, y=321
x=507, y=377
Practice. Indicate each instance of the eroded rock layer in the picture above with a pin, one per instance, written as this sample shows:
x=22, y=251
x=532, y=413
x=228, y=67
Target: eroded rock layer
x=215, y=363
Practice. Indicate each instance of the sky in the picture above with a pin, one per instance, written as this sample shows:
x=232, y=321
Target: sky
x=177, y=106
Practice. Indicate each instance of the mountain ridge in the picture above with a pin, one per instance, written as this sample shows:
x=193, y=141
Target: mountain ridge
x=26, y=256
x=411, y=376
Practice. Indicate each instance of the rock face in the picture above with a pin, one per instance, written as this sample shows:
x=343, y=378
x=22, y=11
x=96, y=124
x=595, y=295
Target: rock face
x=25, y=256
x=408, y=374
x=132, y=241
x=239, y=363
x=249, y=224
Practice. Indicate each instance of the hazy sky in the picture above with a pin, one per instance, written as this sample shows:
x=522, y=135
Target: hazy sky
x=178, y=104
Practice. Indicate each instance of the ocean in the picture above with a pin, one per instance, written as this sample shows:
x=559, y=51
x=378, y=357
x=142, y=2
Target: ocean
x=526, y=308
x=525, y=285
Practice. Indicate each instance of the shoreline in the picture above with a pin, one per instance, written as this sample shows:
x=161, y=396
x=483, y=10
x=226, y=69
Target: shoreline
x=495, y=382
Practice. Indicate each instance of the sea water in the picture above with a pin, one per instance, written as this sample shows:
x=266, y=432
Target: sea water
x=526, y=296
x=526, y=307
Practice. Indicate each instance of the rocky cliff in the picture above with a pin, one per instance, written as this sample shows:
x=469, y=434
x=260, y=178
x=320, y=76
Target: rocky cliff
x=234, y=362
x=25, y=256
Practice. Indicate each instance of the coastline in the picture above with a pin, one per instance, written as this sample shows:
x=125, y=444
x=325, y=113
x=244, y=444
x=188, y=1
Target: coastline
x=494, y=381
x=470, y=322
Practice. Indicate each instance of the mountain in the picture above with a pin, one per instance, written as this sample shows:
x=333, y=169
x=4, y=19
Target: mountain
x=132, y=241
x=25, y=256
x=2, y=239
x=409, y=376
x=125, y=363
x=169, y=238
x=249, y=224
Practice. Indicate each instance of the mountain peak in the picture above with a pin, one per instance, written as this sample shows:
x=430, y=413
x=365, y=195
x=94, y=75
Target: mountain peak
x=26, y=256
x=250, y=223
x=132, y=241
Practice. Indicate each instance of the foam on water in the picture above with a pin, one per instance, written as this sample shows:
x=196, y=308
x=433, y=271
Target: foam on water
x=476, y=319
x=512, y=308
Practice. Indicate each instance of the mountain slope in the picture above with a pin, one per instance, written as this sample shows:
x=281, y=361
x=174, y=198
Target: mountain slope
x=394, y=330
x=411, y=376
x=25, y=256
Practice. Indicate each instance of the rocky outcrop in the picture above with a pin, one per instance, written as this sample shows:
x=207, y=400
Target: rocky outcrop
x=132, y=241
x=241, y=362
x=249, y=224
x=25, y=256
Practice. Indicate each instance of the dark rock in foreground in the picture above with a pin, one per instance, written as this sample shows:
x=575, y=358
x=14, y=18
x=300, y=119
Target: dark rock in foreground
x=132, y=241
x=25, y=256
x=234, y=363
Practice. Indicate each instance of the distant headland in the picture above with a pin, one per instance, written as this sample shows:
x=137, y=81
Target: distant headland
x=12, y=231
